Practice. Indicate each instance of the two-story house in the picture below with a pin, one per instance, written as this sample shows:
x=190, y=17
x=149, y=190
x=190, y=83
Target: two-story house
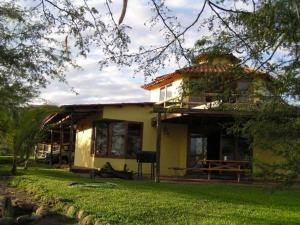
x=188, y=131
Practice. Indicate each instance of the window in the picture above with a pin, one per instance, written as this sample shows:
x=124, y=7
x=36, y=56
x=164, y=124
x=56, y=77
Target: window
x=118, y=134
x=101, y=138
x=169, y=92
x=117, y=138
x=243, y=86
x=165, y=92
x=162, y=94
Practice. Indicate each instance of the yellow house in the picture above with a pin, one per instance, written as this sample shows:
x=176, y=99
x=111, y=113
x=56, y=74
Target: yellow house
x=187, y=133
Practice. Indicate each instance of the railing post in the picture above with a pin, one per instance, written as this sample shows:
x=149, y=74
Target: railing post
x=158, y=142
x=51, y=147
x=61, y=139
x=71, y=141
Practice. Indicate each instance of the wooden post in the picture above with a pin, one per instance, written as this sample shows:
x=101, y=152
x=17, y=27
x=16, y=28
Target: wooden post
x=158, y=141
x=61, y=143
x=51, y=147
x=221, y=146
x=71, y=141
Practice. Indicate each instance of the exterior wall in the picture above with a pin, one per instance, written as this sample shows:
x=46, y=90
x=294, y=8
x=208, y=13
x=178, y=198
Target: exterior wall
x=176, y=85
x=83, y=157
x=173, y=141
x=173, y=148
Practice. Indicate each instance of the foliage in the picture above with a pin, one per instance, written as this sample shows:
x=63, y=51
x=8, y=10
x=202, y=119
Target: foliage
x=144, y=202
x=24, y=129
x=41, y=41
x=29, y=56
x=265, y=35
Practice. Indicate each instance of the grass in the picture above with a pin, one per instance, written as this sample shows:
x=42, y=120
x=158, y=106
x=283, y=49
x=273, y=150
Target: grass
x=144, y=202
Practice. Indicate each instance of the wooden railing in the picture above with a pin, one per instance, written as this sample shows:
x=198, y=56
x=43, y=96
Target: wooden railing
x=207, y=101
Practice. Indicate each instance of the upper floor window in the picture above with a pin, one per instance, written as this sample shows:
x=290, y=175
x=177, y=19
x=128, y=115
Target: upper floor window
x=165, y=92
x=162, y=94
x=117, y=138
x=243, y=86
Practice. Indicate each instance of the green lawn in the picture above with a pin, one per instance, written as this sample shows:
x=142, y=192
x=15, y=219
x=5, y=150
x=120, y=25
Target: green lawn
x=140, y=202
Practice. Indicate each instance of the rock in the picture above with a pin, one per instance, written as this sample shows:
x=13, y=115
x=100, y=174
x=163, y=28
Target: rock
x=15, y=202
x=35, y=218
x=81, y=214
x=65, y=209
x=28, y=206
x=23, y=219
x=101, y=222
x=42, y=211
x=71, y=211
x=35, y=207
x=7, y=221
x=88, y=220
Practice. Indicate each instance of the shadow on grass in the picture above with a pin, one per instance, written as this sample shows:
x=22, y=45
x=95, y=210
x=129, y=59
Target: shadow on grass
x=237, y=197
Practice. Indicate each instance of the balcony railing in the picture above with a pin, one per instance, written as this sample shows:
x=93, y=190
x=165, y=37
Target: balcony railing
x=206, y=101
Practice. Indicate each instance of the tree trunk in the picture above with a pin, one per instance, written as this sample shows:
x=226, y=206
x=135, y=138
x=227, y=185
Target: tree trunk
x=14, y=163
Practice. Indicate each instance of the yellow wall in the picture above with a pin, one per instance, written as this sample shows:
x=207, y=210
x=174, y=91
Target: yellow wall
x=173, y=143
x=83, y=156
x=137, y=114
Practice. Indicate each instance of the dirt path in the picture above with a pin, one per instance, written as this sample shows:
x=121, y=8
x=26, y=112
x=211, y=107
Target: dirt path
x=22, y=203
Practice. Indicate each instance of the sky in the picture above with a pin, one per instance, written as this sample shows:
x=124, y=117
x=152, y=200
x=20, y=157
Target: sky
x=112, y=84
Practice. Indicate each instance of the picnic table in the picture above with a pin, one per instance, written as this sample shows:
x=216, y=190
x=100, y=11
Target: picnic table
x=233, y=166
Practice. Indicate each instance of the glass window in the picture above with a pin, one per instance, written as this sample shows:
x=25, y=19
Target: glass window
x=118, y=138
x=169, y=92
x=243, y=86
x=162, y=94
x=134, y=138
x=101, y=138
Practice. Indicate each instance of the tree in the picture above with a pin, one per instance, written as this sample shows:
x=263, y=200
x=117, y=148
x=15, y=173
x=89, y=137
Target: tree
x=23, y=130
x=263, y=33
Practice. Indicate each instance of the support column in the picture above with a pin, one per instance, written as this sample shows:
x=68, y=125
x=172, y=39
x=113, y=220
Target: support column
x=71, y=141
x=61, y=143
x=51, y=147
x=221, y=146
x=158, y=141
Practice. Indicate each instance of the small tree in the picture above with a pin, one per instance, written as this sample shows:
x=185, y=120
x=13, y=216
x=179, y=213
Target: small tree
x=24, y=130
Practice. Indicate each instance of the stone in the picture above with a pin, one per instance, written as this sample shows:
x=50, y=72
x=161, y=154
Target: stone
x=101, y=222
x=66, y=207
x=88, y=220
x=36, y=217
x=42, y=211
x=23, y=219
x=71, y=211
x=81, y=214
x=7, y=221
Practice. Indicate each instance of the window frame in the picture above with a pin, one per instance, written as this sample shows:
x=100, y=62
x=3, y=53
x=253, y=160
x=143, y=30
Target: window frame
x=164, y=90
x=108, y=153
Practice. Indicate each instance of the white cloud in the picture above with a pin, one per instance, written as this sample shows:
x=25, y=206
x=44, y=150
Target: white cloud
x=112, y=84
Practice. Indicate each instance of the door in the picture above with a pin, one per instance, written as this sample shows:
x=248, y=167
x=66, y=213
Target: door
x=197, y=149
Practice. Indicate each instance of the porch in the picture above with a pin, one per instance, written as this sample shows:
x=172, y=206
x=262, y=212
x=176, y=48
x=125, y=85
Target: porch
x=211, y=153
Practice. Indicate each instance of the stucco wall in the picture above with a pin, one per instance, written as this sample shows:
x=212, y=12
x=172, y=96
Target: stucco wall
x=83, y=157
x=173, y=143
x=176, y=87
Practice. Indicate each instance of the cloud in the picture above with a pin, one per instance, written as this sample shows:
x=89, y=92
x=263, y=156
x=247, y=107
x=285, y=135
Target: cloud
x=111, y=84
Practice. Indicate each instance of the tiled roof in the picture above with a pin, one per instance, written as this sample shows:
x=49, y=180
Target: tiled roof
x=167, y=78
x=198, y=69
x=205, y=68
